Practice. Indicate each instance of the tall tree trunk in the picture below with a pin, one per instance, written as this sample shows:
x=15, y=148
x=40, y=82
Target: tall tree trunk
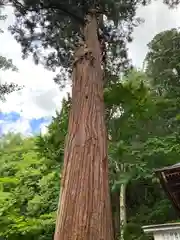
x=122, y=202
x=85, y=209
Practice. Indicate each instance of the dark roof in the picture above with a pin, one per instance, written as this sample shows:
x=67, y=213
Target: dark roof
x=170, y=181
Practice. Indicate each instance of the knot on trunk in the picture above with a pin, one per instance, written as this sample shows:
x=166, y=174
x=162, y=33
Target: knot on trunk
x=83, y=52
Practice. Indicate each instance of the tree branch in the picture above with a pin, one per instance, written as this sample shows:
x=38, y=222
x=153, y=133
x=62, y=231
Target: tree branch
x=49, y=6
x=63, y=9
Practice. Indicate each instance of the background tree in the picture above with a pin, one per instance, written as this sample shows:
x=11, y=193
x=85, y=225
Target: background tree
x=162, y=62
x=29, y=191
x=162, y=146
x=163, y=66
x=51, y=145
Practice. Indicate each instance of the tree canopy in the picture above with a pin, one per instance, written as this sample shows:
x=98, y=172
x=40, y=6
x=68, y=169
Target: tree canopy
x=56, y=26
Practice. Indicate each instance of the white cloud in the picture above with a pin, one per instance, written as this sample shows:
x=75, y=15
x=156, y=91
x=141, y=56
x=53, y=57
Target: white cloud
x=41, y=97
x=20, y=126
x=31, y=103
x=43, y=128
x=158, y=17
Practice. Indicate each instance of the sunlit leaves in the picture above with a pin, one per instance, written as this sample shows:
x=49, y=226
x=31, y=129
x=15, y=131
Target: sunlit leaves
x=163, y=62
x=29, y=190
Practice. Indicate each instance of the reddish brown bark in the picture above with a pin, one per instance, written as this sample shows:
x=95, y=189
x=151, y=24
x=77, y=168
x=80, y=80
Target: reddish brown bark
x=85, y=210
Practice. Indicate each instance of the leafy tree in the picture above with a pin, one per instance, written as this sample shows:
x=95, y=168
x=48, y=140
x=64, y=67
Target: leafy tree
x=29, y=191
x=163, y=67
x=131, y=98
x=51, y=145
x=162, y=146
x=163, y=61
x=138, y=143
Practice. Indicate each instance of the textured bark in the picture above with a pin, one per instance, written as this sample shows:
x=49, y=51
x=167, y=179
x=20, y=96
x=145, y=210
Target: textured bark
x=85, y=210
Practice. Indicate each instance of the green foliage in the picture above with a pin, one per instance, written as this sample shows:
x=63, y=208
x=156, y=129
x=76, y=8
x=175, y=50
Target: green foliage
x=140, y=141
x=51, y=145
x=163, y=61
x=147, y=203
x=128, y=129
x=29, y=191
x=30, y=182
x=59, y=30
x=134, y=231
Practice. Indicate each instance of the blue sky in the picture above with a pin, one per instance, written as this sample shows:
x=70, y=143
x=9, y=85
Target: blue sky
x=30, y=110
x=11, y=117
x=9, y=122
x=36, y=124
